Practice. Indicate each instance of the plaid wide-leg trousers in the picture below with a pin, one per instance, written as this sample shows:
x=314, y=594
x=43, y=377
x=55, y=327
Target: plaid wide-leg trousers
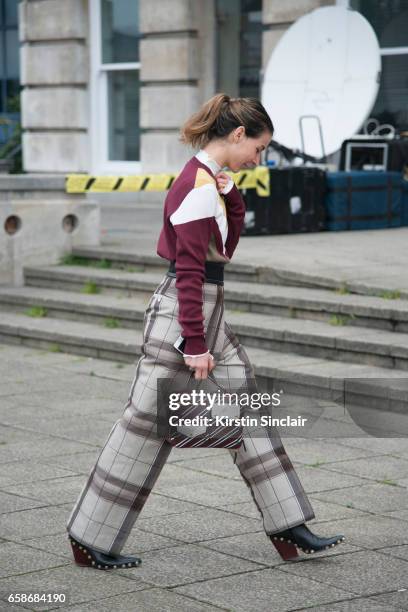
x=133, y=456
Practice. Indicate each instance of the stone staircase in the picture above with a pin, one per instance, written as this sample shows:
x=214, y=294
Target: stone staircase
x=310, y=338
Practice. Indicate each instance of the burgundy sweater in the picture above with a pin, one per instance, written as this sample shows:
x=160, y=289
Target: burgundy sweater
x=199, y=225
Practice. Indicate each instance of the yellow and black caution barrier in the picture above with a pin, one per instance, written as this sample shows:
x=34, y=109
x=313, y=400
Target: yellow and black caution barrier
x=258, y=179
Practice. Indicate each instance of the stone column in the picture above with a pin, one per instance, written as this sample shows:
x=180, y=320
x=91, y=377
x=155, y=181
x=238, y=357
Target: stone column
x=177, y=74
x=277, y=17
x=54, y=76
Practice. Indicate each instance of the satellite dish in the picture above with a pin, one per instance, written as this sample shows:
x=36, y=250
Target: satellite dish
x=327, y=64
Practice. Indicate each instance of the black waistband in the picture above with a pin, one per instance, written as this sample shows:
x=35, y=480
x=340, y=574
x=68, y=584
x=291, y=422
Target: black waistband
x=214, y=272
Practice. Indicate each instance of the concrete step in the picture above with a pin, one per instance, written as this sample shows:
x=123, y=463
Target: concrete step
x=142, y=262
x=75, y=278
x=318, y=339
x=299, y=374
x=268, y=273
x=300, y=336
x=293, y=302
x=59, y=304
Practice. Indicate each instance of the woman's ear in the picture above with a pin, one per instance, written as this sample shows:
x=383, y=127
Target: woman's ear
x=239, y=133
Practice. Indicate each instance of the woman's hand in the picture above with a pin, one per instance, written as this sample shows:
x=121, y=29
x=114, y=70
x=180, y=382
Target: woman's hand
x=222, y=180
x=202, y=366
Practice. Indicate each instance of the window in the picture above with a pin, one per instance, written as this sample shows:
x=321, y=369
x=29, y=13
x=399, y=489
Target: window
x=9, y=69
x=239, y=46
x=389, y=19
x=115, y=132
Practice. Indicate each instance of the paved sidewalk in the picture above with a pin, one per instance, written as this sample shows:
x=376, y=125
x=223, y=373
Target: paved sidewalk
x=199, y=535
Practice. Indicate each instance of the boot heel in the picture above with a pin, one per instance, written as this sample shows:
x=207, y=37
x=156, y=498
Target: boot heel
x=81, y=557
x=286, y=550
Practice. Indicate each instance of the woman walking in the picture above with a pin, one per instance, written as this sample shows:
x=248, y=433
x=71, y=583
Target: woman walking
x=203, y=217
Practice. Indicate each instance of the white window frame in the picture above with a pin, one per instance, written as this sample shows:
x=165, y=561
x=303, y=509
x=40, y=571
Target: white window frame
x=98, y=109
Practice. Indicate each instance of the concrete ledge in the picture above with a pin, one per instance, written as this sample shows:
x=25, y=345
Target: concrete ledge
x=31, y=182
x=42, y=236
x=40, y=222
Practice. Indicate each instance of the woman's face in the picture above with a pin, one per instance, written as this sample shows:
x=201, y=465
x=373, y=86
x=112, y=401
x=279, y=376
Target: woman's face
x=245, y=152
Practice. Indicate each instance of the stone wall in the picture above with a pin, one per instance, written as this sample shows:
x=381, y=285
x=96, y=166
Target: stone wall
x=54, y=75
x=177, y=56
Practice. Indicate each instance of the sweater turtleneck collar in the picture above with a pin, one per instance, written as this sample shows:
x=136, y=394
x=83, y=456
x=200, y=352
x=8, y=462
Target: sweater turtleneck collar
x=208, y=161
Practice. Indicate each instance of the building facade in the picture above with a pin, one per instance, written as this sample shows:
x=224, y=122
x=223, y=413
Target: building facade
x=106, y=84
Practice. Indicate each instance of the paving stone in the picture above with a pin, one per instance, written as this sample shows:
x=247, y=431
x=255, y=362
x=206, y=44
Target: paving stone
x=326, y=511
x=148, y=600
x=346, y=571
x=13, y=503
x=200, y=525
x=257, y=547
x=13, y=435
x=29, y=471
x=399, y=599
x=400, y=552
x=398, y=514
x=42, y=382
x=200, y=488
x=85, y=430
x=221, y=465
x=39, y=447
x=61, y=490
x=18, y=559
x=369, y=531
x=381, y=446
x=388, y=468
x=33, y=523
x=141, y=541
x=320, y=451
x=138, y=542
x=39, y=358
x=244, y=509
x=56, y=544
x=77, y=583
x=259, y=591
x=79, y=406
x=361, y=604
x=179, y=455
x=161, y=505
x=183, y=564
x=315, y=479
x=376, y=498
x=80, y=463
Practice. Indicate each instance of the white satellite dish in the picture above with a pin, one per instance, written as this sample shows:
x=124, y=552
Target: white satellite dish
x=327, y=64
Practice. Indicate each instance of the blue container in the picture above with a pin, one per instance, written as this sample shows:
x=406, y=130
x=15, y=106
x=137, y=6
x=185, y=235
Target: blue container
x=363, y=200
x=404, y=215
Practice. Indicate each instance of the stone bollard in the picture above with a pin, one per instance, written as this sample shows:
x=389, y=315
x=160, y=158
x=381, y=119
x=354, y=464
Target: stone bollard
x=40, y=222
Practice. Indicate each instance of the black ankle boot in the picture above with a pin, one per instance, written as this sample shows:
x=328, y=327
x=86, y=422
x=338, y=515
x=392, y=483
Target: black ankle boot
x=287, y=542
x=86, y=556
